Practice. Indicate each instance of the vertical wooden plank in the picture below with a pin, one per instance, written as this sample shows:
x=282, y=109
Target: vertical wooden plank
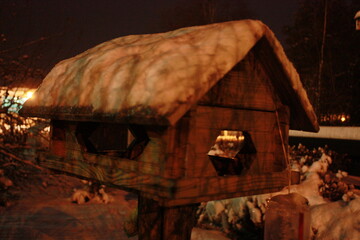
x=167, y=148
x=176, y=139
x=207, y=125
x=197, y=159
x=149, y=219
x=281, y=153
x=58, y=138
x=165, y=223
x=181, y=145
x=242, y=87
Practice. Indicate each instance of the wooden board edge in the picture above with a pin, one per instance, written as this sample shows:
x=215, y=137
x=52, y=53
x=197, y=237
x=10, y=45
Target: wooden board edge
x=195, y=190
x=155, y=186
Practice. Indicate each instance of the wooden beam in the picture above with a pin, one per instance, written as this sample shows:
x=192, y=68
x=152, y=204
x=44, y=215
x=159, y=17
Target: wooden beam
x=302, y=115
x=205, y=189
x=122, y=163
x=234, y=119
x=116, y=176
x=165, y=223
x=262, y=126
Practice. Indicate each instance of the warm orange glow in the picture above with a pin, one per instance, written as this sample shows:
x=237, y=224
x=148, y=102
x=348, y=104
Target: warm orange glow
x=230, y=136
x=47, y=129
x=28, y=95
x=228, y=144
x=335, y=118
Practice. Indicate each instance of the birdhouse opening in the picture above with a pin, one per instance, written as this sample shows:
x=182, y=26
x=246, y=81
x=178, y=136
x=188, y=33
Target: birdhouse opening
x=119, y=140
x=232, y=151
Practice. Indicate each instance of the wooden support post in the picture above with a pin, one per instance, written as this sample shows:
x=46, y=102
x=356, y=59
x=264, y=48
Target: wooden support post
x=165, y=223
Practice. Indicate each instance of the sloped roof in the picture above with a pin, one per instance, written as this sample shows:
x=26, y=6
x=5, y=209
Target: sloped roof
x=157, y=77
x=357, y=15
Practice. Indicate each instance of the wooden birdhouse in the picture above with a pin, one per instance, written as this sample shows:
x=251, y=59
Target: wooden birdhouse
x=192, y=115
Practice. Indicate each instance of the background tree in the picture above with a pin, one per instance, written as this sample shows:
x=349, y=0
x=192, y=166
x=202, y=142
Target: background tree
x=324, y=46
x=201, y=12
x=20, y=71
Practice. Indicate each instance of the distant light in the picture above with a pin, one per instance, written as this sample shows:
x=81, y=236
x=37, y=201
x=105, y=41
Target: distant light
x=343, y=119
x=28, y=95
x=14, y=98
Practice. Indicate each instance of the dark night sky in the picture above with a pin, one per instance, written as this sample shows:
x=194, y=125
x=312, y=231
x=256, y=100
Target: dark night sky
x=77, y=25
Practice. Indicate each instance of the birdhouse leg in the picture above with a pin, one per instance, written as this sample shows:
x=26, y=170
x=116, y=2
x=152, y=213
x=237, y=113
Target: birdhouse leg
x=165, y=223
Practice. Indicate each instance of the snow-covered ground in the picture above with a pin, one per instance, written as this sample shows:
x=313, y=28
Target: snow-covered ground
x=330, y=220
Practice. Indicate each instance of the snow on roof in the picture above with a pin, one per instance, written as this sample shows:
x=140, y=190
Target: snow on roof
x=357, y=15
x=154, y=76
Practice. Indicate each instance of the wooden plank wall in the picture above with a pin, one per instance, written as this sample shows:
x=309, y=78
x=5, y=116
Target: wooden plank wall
x=146, y=173
x=201, y=189
x=243, y=87
x=175, y=144
x=285, y=91
x=119, y=176
x=207, y=125
x=244, y=100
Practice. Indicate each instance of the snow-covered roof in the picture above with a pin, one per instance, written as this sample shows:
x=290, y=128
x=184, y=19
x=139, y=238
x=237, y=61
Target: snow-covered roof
x=156, y=77
x=357, y=15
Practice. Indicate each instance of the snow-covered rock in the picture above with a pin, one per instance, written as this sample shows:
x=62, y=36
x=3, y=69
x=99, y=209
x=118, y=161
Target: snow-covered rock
x=329, y=220
x=80, y=196
x=255, y=213
x=336, y=220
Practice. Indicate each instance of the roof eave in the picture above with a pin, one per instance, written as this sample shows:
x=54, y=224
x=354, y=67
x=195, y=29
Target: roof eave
x=286, y=83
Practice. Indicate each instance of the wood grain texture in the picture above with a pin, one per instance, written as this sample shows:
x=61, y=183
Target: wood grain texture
x=165, y=223
x=302, y=114
x=149, y=164
x=282, y=136
x=176, y=139
x=58, y=138
x=175, y=168
x=154, y=159
x=242, y=87
x=173, y=192
x=234, y=119
x=207, y=123
x=212, y=188
x=151, y=184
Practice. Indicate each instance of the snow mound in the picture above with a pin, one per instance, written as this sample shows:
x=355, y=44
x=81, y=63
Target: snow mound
x=337, y=220
x=330, y=219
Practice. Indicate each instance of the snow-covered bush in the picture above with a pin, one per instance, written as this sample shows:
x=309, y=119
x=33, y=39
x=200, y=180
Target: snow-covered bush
x=245, y=216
